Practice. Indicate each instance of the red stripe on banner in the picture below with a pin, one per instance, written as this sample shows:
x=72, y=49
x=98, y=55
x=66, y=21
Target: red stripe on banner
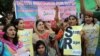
x=29, y=24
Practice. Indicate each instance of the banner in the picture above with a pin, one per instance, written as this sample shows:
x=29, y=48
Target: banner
x=25, y=36
x=72, y=41
x=91, y=5
x=29, y=9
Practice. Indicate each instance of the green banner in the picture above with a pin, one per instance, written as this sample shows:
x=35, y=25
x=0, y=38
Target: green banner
x=89, y=5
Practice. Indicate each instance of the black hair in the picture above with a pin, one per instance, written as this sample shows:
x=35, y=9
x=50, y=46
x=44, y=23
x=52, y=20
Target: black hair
x=15, y=39
x=38, y=43
x=16, y=21
x=38, y=22
x=85, y=22
x=66, y=19
x=74, y=18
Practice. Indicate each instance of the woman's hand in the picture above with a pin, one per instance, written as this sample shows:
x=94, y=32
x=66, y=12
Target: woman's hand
x=56, y=8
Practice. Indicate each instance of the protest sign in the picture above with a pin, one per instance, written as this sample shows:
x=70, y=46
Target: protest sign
x=25, y=36
x=72, y=41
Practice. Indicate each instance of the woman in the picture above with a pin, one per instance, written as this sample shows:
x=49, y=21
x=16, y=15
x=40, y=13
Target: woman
x=42, y=34
x=59, y=28
x=41, y=49
x=91, y=30
x=62, y=27
x=25, y=35
x=54, y=40
x=73, y=21
x=60, y=33
x=19, y=23
x=10, y=41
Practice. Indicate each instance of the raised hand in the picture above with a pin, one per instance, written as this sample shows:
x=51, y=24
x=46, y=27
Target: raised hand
x=56, y=8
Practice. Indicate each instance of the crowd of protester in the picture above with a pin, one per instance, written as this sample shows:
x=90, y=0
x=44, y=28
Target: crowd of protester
x=47, y=39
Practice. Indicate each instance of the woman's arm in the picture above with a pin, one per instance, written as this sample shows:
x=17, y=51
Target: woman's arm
x=83, y=43
x=56, y=15
x=83, y=9
x=58, y=21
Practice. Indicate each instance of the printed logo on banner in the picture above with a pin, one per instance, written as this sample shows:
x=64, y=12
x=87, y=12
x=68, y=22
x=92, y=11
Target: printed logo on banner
x=72, y=41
